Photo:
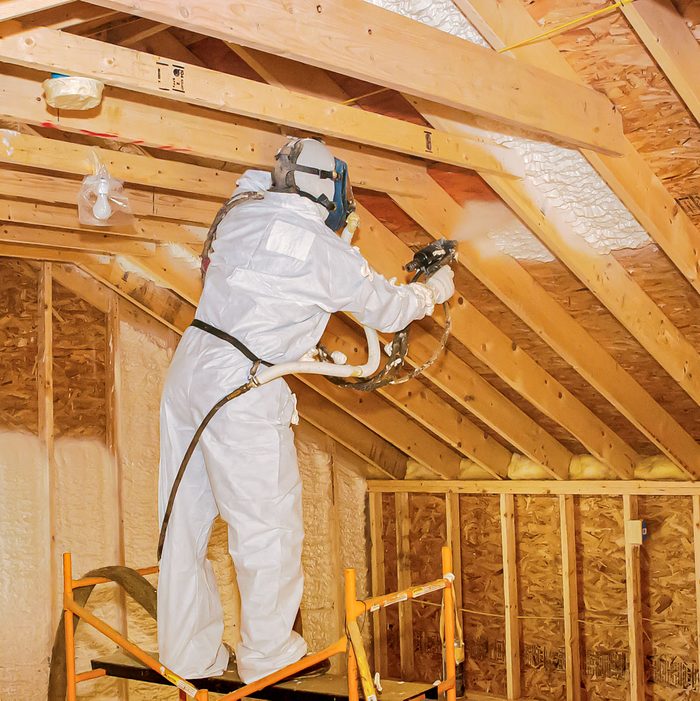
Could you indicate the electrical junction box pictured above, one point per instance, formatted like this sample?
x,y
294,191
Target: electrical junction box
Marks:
x,y
636,531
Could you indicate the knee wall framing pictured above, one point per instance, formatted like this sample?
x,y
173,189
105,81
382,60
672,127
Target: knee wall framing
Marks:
x,y
558,599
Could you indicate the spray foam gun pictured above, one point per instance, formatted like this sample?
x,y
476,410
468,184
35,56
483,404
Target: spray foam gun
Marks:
x,y
425,263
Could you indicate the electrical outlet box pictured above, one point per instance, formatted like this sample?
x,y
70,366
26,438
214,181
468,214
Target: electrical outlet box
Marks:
x,y
635,531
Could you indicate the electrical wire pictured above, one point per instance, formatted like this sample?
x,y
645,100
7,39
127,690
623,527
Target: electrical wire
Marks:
x,y
353,100
558,29
583,621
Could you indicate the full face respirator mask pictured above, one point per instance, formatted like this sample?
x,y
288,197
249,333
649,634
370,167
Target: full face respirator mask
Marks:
x,y
343,200
290,176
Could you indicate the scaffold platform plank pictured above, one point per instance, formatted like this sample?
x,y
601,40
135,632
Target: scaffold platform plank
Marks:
x,y
329,687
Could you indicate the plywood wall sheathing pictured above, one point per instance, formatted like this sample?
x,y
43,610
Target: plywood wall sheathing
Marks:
x,y
80,356
18,334
602,570
602,597
541,607
669,598
482,587
427,534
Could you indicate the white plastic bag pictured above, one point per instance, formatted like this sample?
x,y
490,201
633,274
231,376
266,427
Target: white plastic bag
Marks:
x,y
102,200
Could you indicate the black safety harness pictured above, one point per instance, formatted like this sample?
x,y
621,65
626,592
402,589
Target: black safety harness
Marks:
x,y
238,345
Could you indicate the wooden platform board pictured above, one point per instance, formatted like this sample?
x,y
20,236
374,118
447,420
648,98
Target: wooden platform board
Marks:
x,y
328,687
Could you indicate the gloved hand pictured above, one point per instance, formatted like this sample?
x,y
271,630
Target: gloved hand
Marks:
x,y
442,284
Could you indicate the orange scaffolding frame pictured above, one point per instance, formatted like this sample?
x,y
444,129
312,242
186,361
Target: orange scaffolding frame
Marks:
x,y
358,669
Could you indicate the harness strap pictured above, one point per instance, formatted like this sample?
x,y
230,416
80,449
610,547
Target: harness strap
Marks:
x,y
242,348
225,209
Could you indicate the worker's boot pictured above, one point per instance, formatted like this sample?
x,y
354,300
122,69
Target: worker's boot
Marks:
x,y
315,670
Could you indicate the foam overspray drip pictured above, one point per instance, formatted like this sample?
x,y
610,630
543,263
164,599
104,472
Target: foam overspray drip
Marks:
x,y
560,179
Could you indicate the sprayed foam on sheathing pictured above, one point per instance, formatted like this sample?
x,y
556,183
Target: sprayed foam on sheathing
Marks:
x,y
25,555
144,364
320,617
87,524
560,179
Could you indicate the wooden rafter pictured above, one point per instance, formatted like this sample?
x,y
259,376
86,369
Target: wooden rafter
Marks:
x,y
484,401
382,418
669,40
196,131
64,157
84,286
348,431
165,44
178,273
424,405
387,49
437,212
57,217
469,389
134,31
602,274
59,15
134,70
11,9
613,286
74,240
130,286
387,254
491,346
143,202
630,177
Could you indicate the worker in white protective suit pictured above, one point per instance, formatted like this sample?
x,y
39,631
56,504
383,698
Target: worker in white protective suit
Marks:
x,y
276,272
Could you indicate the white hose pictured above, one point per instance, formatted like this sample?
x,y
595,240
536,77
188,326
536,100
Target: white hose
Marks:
x,y
313,367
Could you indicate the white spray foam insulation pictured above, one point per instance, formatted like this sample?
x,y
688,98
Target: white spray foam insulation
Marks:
x,y
350,496
318,613
351,499
559,178
87,525
25,587
144,363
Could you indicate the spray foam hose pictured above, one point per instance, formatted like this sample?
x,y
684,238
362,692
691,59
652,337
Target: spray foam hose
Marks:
x,y
188,455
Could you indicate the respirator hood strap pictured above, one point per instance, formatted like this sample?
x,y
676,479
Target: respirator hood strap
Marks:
x,y
287,156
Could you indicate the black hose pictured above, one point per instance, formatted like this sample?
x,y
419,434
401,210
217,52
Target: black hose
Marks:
x,y
188,455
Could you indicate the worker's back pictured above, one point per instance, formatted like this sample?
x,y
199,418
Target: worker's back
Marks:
x,y
265,266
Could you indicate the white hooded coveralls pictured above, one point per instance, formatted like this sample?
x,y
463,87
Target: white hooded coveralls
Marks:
x,y
276,273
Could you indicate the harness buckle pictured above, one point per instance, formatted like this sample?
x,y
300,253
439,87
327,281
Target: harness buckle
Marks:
x,y
253,372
